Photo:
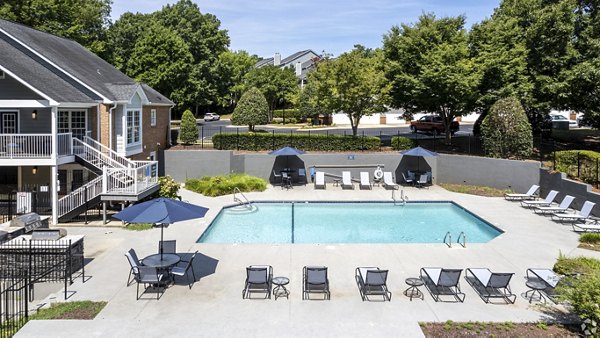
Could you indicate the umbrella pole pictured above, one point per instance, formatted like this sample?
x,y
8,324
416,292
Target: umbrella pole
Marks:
x,y
162,229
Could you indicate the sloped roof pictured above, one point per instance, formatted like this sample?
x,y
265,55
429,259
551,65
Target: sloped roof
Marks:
x,y
264,62
296,55
74,59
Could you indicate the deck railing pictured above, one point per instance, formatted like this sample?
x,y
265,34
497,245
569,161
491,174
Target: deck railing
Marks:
x,y
130,180
38,146
80,196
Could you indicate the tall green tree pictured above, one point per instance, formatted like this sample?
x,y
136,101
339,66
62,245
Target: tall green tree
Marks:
x,y
354,84
202,38
84,21
231,68
161,59
251,110
430,69
273,82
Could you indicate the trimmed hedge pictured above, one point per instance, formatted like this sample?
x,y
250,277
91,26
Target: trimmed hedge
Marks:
x,y
294,113
566,161
402,143
263,141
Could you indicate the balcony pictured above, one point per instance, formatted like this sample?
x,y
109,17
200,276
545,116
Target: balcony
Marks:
x,y
30,148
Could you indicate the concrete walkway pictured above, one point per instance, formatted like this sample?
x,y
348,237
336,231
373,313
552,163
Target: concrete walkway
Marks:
x,y
214,306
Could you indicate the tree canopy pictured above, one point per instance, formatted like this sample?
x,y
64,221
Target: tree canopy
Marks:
x,y
430,69
84,21
353,84
274,83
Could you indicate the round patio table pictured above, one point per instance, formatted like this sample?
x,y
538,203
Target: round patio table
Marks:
x,y
161,261
413,289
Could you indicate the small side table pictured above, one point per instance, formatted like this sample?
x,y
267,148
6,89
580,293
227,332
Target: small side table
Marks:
x,y
336,182
413,287
280,289
535,287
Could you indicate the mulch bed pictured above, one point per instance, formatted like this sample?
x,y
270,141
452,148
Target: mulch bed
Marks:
x,y
589,246
508,329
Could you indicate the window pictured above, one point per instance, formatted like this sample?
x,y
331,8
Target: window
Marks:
x,y
133,126
152,117
72,121
1,74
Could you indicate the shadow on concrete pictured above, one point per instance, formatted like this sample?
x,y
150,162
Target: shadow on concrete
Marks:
x,y
202,266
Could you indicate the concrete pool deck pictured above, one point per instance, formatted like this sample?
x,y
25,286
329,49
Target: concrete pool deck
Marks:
x,y
214,306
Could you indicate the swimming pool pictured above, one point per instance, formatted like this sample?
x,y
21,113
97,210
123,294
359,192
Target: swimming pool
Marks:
x,y
346,222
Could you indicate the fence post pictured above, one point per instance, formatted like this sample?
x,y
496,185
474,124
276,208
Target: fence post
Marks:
x,y
201,137
434,138
221,136
85,196
597,177
362,141
291,138
273,139
380,135
578,164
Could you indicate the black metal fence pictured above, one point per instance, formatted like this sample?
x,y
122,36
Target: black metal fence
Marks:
x,y
25,263
583,168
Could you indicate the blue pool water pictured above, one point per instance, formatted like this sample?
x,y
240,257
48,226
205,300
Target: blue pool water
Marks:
x,y
325,222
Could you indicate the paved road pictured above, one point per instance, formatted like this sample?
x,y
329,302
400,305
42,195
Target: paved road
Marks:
x,y
207,129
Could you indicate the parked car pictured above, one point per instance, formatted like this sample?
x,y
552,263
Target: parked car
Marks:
x,y
559,122
211,117
432,123
582,121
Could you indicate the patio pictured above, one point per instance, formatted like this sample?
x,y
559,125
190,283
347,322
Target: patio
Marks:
x,y
214,305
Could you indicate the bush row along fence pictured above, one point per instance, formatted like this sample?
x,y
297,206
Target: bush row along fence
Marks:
x,y
581,164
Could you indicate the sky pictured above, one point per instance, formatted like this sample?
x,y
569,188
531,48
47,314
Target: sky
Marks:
x,y
332,26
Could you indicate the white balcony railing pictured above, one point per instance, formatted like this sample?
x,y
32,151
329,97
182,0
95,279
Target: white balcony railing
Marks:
x,y
130,180
33,146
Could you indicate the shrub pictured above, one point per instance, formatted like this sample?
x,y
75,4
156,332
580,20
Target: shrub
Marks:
x,y
188,134
402,143
592,238
582,291
269,141
168,187
567,160
288,113
251,110
223,185
506,131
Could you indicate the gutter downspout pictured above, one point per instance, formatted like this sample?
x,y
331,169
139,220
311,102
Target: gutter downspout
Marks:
x,y
98,121
169,129
110,128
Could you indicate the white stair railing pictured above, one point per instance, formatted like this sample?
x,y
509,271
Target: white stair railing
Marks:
x,y
113,155
94,156
80,196
138,179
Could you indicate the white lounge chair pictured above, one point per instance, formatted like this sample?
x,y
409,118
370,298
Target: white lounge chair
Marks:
x,y
563,206
545,203
365,182
582,215
388,180
587,227
529,195
319,180
347,180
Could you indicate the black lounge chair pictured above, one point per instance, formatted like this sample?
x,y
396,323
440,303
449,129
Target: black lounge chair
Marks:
x,y
372,281
490,284
259,279
315,281
443,282
151,278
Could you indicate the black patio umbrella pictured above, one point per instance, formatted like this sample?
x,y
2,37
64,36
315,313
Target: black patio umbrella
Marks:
x,y
161,211
287,152
418,152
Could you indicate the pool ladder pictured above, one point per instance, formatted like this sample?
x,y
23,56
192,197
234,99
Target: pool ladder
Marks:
x,y
448,239
241,200
403,198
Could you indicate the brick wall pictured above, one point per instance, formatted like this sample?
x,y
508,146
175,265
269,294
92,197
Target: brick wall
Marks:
x,y
104,126
153,135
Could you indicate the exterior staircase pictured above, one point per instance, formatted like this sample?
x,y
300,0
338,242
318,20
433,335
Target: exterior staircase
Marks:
x,y
119,178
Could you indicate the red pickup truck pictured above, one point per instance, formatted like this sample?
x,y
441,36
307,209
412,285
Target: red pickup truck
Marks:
x,y
432,123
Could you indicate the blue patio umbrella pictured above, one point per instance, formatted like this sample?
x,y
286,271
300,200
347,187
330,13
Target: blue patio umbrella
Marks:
x,y
418,152
161,211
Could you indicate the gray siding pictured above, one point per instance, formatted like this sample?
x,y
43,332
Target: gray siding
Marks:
x,y
118,116
11,89
42,125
